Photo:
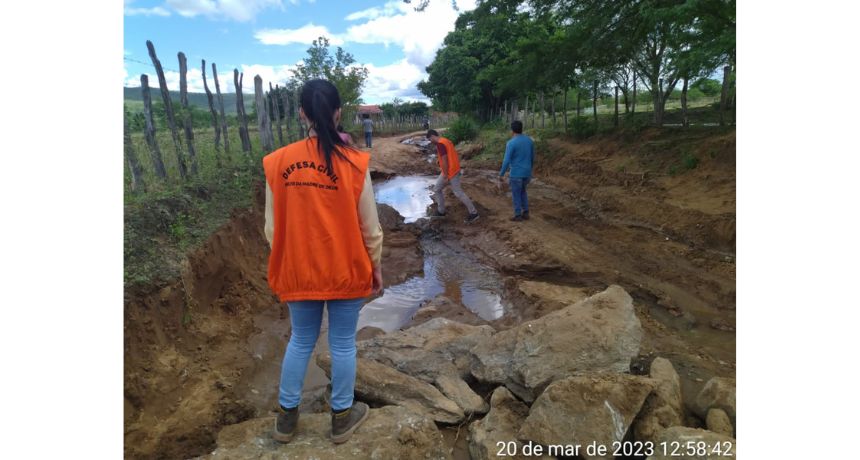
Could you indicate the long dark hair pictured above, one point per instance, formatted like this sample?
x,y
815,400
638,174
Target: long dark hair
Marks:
x,y
320,100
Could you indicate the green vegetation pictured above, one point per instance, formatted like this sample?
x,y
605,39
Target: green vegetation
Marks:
x,y
462,129
516,50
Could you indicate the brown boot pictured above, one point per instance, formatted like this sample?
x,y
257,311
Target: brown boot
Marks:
x,y
285,425
345,423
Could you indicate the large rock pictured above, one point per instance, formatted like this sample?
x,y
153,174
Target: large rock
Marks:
x,y
582,410
600,333
378,383
694,444
719,422
664,407
457,390
438,347
499,426
718,393
390,432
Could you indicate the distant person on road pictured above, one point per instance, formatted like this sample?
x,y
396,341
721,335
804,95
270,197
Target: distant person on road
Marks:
x,y
449,164
368,131
519,157
322,225
344,135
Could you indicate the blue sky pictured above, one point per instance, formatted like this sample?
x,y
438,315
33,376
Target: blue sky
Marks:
x,y
268,38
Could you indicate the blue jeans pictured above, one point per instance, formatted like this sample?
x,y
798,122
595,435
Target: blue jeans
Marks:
x,y
368,137
518,193
305,318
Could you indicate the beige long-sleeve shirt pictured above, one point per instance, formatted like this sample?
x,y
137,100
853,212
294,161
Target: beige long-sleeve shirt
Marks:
x,y
371,230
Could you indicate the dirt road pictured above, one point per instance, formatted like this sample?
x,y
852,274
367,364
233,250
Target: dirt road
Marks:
x,y
203,351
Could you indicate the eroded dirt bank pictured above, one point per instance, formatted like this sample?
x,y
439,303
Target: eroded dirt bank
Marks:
x,y
203,352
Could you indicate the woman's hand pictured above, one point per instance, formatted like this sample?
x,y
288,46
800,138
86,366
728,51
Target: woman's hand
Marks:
x,y
377,280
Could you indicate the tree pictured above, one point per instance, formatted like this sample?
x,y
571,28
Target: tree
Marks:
x,y
338,69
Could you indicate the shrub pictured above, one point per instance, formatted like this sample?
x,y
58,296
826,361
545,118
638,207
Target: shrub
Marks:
x,y
582,128
462,129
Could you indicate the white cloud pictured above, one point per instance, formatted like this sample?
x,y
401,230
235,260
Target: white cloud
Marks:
x,y
419,34
400,79
237,10
303,35
154,11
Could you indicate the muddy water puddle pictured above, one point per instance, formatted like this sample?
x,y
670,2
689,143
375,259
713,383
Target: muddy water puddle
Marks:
x,y
449,270
409,195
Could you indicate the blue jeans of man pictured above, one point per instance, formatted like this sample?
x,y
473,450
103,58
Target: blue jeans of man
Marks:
x,y
368,140
519,195
306,318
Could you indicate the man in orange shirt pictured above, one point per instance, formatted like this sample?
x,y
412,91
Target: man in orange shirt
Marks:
x,y
449,164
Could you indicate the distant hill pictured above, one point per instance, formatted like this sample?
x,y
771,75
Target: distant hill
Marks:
x,y
196,99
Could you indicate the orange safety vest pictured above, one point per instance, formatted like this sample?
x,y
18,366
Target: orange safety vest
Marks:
x,y
318,251
453,158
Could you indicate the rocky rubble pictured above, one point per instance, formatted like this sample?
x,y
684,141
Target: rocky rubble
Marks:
x,y
598,334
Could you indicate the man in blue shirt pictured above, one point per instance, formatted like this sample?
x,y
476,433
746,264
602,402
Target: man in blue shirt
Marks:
x,y
519,157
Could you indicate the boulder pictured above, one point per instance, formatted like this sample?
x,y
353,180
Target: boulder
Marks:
x,y
718,393
693,443
389,218
438,347
499,426
457,390
585,409
378,383
600,333
719,422
389,432
664,407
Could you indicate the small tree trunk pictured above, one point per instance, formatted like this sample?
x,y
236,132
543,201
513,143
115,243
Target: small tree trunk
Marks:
x,y
594,103
168,110
616,106
515,112
685,122
240,111
221,109
526,114
578,103
564,110
186,112
137,184
724,94
552,108
633,109
263,122
215,125
658,106
149,130
276,103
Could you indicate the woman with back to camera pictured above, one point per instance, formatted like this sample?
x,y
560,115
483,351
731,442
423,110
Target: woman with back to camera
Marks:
x,y
326,241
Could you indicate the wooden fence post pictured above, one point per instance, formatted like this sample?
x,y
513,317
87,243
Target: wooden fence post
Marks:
x,y
286,100
149,129
212,111
526,114
137,184
266,140
221,110
186,112
240,111
616,106
302,133
168,109
542,113
276,103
